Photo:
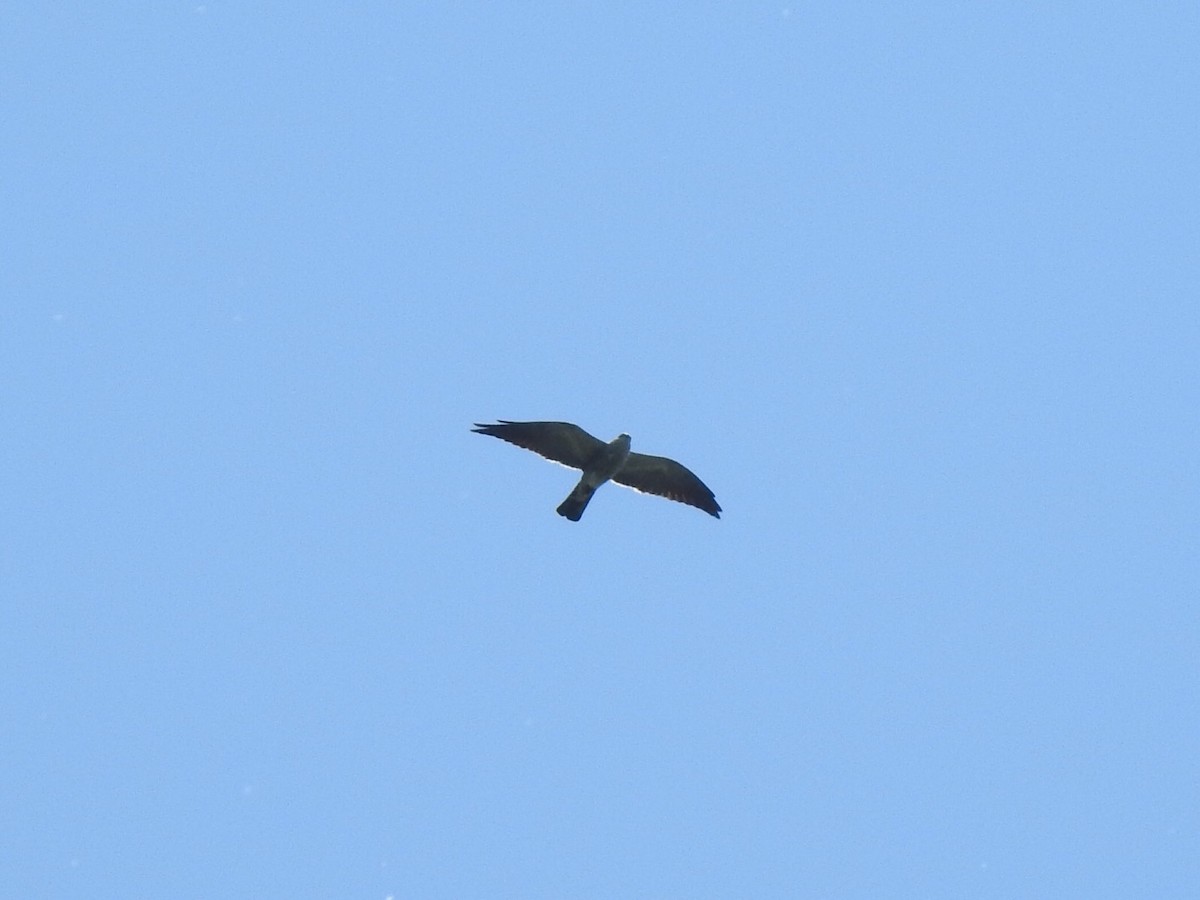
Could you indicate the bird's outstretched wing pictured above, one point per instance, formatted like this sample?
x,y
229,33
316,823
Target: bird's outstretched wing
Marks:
x,y
667,478
560,442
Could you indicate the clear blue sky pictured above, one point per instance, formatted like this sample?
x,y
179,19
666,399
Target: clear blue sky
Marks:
x,y
912,287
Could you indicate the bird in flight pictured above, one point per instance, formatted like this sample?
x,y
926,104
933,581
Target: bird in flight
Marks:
x,y
571,446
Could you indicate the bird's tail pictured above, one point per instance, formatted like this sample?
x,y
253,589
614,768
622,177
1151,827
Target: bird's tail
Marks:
x,y
576,502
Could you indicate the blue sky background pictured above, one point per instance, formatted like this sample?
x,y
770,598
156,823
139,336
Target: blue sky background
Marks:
x,y
912,287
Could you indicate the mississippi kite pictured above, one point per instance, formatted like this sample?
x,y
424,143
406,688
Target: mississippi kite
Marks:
x,y
570,445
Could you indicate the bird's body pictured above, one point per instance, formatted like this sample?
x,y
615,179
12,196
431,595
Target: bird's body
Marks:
x,y
606,463
570,445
